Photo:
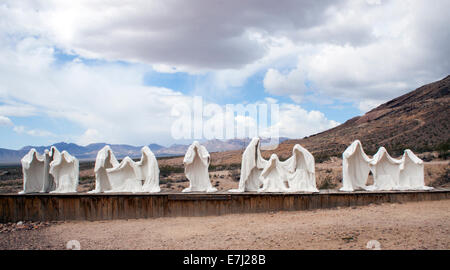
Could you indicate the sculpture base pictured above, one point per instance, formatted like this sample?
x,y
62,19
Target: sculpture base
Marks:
x,y
84,206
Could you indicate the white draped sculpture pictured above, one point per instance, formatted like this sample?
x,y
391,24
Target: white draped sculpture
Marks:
x,y
196,163
105,160
273,176
298,172
148,171
355,167
411,172
388,173
252,165
36,171
385,170
126,176
300,169
65,170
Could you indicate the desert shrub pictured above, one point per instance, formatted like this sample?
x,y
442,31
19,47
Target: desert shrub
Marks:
x,y
443,179
235,175
327,183
218,167
319,158
166,170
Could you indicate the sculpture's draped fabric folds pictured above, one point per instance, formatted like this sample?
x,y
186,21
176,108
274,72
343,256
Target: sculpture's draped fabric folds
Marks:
x,y
252,165
196,163
412,172
105,160
273,176
385,170
34,171
355,167
148,171
300,170
123,178
65,168
126,176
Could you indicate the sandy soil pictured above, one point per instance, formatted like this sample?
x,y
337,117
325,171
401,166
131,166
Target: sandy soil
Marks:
x,y
415,225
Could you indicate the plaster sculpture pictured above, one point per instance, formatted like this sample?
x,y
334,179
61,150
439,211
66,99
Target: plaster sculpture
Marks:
x,y
252,165
355,167
64,168
273,176
123,178
148,171
105,160
300,169
386,171
35,171
196,163
411,172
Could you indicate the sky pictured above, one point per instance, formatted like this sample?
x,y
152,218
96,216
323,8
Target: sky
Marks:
x,y
112,71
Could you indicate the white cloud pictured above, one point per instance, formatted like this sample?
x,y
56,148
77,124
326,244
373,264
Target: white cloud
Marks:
x,y
33,132
5,121
91,135
282,84
296,122
365,52
368,104
408,48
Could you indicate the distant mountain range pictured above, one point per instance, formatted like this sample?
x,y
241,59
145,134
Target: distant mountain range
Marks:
x,y
89,152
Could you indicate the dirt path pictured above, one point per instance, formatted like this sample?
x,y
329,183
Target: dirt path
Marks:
x,y
418,225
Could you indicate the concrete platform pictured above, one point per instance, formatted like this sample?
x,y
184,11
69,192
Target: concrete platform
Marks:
x,y
83,206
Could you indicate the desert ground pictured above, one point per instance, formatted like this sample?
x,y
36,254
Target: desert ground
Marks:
x,y
413,225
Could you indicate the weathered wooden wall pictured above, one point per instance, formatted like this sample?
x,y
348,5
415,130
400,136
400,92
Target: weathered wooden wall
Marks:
x,y
45,207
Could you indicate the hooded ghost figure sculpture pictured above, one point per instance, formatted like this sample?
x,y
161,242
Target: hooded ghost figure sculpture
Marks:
x,y
196,163
355,167
105,160
252,165
35,169
64,168
386,171
148,171
300,170
411,172
124,178
273,176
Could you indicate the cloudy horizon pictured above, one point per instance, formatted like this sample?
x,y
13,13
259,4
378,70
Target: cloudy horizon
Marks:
x,y
110,71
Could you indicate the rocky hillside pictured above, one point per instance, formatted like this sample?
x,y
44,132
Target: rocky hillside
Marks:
x,y
418,120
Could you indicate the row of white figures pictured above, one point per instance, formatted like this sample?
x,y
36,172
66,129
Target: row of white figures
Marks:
x,y
388,173
58,172
295,174
52,171
128,175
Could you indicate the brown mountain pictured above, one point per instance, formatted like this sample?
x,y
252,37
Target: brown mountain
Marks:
x,y
418,120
